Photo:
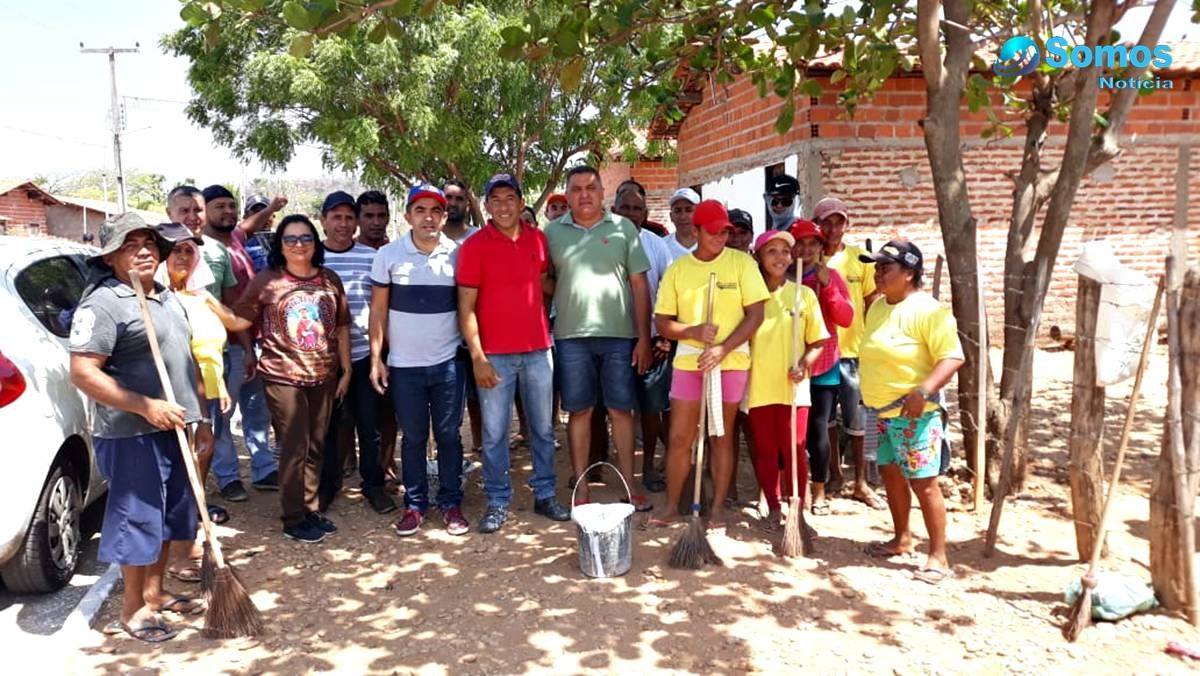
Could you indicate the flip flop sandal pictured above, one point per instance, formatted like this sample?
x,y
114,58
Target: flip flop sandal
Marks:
x,y
218,514
654,522
870,500
882,550
114,628
183,605
820,509
933,576
640,503
189,574
150,633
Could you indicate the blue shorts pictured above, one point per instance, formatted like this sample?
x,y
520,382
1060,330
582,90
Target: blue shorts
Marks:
x,y
588,366
149,499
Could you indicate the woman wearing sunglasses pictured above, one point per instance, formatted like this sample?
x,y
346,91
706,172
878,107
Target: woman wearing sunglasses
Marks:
x,y
300,309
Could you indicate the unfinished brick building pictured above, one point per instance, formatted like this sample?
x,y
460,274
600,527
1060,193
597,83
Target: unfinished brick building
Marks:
x,y
727,146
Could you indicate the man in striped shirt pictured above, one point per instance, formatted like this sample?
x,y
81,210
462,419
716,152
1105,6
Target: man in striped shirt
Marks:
x,y
352,262
414,302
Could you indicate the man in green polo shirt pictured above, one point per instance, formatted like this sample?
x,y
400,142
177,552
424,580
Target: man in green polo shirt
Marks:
x,y
603,323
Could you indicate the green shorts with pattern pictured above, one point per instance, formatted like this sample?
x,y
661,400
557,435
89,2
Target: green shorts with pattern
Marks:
x,y
913,444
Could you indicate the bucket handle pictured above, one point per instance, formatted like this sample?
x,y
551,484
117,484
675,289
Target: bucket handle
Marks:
x,y
583,477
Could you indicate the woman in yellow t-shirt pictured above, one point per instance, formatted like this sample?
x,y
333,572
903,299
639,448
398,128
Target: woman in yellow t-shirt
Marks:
x,y
184,273
720,345
910,350
774,382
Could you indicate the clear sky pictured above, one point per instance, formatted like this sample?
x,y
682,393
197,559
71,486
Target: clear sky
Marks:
x,y
54,101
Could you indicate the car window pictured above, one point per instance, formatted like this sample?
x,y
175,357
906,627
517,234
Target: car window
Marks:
x,y
51,288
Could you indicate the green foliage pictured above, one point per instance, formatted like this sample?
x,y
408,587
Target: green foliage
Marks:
x,y
142,191
417,91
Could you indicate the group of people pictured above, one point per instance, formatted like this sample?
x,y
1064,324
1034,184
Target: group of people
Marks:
x,y
337,342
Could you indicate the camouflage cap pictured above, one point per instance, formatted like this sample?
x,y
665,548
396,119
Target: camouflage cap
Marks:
x,y
114,231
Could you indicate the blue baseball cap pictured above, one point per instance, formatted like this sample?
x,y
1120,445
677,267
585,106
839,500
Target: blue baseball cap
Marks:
x,y
501,181
422,190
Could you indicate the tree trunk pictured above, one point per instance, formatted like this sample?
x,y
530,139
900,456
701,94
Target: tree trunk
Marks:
x,y
1087,423
944,84
1168,561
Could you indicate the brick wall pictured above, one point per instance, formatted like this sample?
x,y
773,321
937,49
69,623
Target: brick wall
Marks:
x,y
877,162
18,210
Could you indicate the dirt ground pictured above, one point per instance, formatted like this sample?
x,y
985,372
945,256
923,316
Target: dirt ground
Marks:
x,y
366,601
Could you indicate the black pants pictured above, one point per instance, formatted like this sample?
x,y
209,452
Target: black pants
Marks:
x,y
824,397
364,408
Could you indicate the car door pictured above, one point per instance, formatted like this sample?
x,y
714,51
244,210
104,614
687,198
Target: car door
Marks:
x,y
50,287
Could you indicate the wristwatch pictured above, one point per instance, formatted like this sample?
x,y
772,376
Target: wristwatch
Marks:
x,y
926,394
204,421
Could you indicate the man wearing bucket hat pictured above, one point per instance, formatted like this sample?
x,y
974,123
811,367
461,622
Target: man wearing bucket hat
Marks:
x,y
149,500
502,273
832,216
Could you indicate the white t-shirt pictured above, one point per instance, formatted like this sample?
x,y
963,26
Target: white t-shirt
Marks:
x,y
660,259
675,249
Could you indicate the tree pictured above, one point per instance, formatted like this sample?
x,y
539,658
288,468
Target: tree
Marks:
x,y
143,191
401,94
773,41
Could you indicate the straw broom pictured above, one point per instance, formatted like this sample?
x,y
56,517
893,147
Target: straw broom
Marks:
x,y
797,539
692,550
1080,615
231,612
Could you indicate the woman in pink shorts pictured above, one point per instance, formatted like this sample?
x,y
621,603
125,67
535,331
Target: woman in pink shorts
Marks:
x,y
720,345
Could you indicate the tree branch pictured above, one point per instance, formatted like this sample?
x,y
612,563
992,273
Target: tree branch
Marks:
x,y
928,42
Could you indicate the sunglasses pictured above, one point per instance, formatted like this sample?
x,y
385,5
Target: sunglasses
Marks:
x,y
782,201
298,240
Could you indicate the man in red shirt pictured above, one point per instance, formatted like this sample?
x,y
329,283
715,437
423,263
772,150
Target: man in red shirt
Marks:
x,y
502,277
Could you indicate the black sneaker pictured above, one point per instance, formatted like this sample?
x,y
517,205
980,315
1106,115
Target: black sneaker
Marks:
x,y
305,531
552,509
379,500
493,519
268,483
234,491
322,522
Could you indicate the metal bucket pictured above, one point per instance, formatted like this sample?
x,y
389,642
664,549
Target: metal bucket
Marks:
x,y
604,532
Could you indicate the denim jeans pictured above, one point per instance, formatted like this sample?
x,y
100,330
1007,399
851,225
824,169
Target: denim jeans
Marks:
x,y
533,374
421,394
366,407
256,419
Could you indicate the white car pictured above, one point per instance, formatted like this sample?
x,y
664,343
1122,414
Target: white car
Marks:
x,y
48,473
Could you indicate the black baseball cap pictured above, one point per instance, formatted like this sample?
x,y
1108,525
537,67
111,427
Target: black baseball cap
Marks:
x,y
741,219
782,184
337,199
899,251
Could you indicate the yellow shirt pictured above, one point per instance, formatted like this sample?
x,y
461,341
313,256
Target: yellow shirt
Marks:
x,y
900,347
860,280
208,342
683,292
771,351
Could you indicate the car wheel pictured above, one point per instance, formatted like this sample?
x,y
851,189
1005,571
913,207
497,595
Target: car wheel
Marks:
x,y
50,553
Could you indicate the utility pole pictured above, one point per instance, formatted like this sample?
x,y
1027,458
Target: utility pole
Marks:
x,y
117,122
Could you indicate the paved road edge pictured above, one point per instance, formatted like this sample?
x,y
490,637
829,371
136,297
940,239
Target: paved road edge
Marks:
x,y
80,619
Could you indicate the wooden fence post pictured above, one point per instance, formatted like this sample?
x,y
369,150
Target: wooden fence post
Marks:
x,y
1087,422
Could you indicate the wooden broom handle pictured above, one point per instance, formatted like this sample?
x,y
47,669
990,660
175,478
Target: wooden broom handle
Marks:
x,y
703,431
185,448
792,419
1098,539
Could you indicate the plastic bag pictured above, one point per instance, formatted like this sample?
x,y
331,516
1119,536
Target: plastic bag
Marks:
x,y
1126,298
1115,596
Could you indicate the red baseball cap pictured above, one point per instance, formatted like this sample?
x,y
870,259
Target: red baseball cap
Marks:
x,y
803,228
711,216
556,197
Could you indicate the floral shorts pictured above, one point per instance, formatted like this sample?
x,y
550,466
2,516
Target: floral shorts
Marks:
x,y
914,445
